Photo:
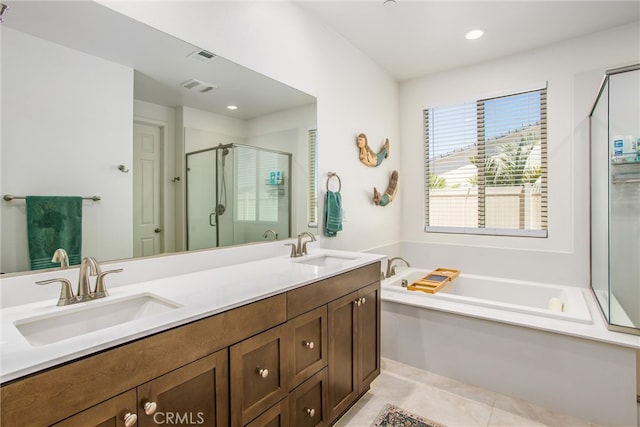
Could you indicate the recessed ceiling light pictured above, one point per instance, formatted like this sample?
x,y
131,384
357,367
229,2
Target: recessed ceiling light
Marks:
x,y
474,34
232,107
389,3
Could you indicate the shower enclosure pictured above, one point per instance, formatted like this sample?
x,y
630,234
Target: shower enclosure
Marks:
x,y
615,199
235,193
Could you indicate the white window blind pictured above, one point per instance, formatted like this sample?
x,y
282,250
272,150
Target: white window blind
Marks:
x,y
486,166
247,177
312,190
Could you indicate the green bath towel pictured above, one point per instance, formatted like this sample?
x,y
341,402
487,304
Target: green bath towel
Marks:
x,y
53,222
332,213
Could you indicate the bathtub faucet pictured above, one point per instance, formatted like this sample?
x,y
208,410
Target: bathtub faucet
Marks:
x,y
391,269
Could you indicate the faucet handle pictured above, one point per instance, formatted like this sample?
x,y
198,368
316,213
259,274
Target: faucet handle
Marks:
x,y
101,285
66,293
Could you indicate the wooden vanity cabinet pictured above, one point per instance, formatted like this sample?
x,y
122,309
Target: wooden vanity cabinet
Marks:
x,y
300,358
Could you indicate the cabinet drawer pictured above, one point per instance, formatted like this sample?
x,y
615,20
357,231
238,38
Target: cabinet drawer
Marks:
x,y
305,298
308,402
259,373
276,416
194,394
309,353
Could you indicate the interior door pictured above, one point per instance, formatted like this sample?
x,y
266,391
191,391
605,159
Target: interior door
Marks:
x,y
201,200
147,190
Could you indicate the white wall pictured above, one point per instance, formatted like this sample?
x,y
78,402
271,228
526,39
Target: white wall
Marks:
x,y
574,70
354,94
42,154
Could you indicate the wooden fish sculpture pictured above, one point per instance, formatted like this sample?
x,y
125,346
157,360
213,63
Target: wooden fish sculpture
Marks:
x,y
387,197
367,156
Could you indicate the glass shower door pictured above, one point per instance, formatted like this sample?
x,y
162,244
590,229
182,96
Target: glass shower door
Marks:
x,y
615,199
201,200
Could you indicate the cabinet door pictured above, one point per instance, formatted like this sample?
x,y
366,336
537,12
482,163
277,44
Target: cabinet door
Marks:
x,y
259,373
309,353
119,411
308,402
343,381
368,335
197,393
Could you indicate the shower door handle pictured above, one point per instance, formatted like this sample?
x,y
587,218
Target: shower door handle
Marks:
x,y
212,218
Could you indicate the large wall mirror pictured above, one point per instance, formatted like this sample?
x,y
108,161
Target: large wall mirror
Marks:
x,y
97,104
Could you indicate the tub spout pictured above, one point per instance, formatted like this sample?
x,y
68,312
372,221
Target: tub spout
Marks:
x,y
391,269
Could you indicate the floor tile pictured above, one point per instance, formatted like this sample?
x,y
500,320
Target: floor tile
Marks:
x,y
449,402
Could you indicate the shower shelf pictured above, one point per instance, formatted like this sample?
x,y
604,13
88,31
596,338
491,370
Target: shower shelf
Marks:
x,y
624,173
278,182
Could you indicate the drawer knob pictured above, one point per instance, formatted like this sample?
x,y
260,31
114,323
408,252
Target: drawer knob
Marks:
x,y
150,407
310,411
363,300
309,344
357,302
130,419
264,373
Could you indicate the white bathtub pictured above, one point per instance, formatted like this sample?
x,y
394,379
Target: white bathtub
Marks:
x,y
511,295
499,335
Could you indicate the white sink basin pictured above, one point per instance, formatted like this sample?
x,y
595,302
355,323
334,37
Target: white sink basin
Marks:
x,y
325,260
90,317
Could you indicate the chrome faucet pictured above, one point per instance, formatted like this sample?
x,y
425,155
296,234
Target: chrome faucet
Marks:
x,y
301,248
391,269
88,267
84,283
60,255
270,231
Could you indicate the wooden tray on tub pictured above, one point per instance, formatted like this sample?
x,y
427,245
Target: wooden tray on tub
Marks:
x,y
434,281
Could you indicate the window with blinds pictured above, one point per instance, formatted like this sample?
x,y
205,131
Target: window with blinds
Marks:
x,y
486,166
312,204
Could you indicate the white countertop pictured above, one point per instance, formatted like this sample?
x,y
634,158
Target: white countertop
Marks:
x,y
199,295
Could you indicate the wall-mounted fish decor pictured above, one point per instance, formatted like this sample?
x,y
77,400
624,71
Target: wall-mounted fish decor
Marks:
x,y
367,156
387,197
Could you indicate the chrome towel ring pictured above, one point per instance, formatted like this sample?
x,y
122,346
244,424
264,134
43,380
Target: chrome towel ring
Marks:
x,y
332,175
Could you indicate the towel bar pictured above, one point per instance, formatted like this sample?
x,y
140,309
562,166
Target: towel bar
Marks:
x,y
331,175
10,197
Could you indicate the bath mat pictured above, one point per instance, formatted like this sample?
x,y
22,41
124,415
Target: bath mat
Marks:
x,y
392,416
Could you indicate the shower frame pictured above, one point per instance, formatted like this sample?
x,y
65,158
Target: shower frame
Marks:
x,y
230,146
612,177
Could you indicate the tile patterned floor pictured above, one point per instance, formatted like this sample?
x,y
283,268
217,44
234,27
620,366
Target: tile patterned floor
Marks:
x,y
448,402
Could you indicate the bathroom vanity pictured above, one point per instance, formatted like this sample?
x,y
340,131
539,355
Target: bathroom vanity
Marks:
x,y
298,356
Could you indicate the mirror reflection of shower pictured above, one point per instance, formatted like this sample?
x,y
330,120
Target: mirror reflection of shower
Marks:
x,y
221,207
236,192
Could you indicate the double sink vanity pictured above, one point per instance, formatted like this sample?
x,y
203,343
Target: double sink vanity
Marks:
x,y
280,341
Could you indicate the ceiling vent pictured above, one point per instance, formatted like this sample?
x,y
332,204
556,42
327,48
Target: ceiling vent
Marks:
x,y
198,85
202,55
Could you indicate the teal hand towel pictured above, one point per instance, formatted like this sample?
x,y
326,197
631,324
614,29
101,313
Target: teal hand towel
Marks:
x,y
332,213
53,222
